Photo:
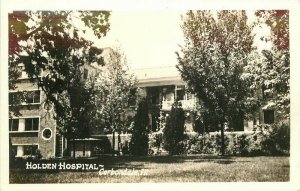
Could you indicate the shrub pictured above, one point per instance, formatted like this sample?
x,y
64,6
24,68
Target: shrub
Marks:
x,y
243,144
38,154
155,142
270,139
281,135
139,140
174,131
266,140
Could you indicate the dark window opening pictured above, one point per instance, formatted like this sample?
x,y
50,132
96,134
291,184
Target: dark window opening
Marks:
x,y
27,97
30,149
237,123
33,97
13,124
32,124
268,116
47,133
180,92
15,98
153,94
13,150
85,73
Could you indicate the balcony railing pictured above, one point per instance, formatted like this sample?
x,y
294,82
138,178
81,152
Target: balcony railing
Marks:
x,y
186,104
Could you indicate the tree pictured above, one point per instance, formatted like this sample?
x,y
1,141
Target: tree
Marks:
x,y
269,69
49,40
53,42
79,112
139,140
174,130
216,50
116,90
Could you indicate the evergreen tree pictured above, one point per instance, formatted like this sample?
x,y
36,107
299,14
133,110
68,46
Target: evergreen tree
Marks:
x,y
174,130
139,140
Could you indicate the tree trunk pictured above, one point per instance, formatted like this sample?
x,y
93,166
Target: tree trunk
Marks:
x,y
74,147
119,142
222,139
113,143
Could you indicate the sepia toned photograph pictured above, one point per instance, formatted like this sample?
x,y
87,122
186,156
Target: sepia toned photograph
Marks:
x,y
148,96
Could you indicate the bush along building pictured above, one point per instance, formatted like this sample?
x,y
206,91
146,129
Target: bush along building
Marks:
x,y
32,127
163,86
264,132
33,130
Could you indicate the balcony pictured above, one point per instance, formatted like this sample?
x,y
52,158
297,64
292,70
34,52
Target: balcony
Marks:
x,y
186,104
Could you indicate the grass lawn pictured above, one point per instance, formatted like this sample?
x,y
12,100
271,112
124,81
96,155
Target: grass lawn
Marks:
x,y
169,169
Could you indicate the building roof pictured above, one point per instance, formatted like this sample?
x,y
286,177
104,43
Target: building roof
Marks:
x,y
158,76
159,72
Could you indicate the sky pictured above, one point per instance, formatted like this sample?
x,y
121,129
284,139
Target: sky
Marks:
x,y
151,38
148,38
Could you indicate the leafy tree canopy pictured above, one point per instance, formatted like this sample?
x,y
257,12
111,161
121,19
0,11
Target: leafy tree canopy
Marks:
x,y
270,68
215,52
53,42
116,90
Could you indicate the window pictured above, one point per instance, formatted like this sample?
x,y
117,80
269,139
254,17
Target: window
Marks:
x,y
268,116
33,97
21,68
32,124
13,124
15,98
180,92
28,97
30,149
85,73
13,150
24,74
47,133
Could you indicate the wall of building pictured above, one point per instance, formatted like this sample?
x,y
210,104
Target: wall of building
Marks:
x,y
44,136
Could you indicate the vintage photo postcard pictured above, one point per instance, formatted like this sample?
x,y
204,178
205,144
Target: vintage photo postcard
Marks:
x,y
150,95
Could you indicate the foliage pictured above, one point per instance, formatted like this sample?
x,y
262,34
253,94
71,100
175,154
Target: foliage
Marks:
x,y
266,140
270,139
212,60
139,140
49,40
77,110
53,42
270,68
174,130
155,142
115,87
